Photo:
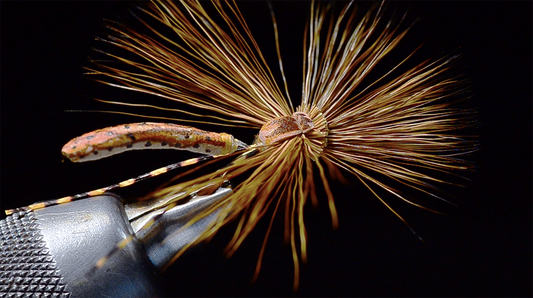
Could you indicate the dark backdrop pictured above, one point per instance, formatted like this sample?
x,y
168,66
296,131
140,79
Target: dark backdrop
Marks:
x,y
481,248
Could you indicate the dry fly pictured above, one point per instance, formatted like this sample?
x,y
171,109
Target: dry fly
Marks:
x,y
398,128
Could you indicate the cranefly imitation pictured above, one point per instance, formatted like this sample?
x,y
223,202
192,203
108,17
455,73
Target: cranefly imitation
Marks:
x,y
403,127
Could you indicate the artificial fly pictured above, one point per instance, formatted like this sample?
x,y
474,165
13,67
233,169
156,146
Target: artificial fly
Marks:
x,y
399,127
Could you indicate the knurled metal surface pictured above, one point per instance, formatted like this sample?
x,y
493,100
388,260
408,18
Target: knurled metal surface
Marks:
x,y
26,267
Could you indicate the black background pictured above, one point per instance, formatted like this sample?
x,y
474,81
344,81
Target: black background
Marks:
x,y
481,248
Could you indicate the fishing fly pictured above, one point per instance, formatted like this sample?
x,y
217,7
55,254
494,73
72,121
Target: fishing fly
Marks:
x,y
398,128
